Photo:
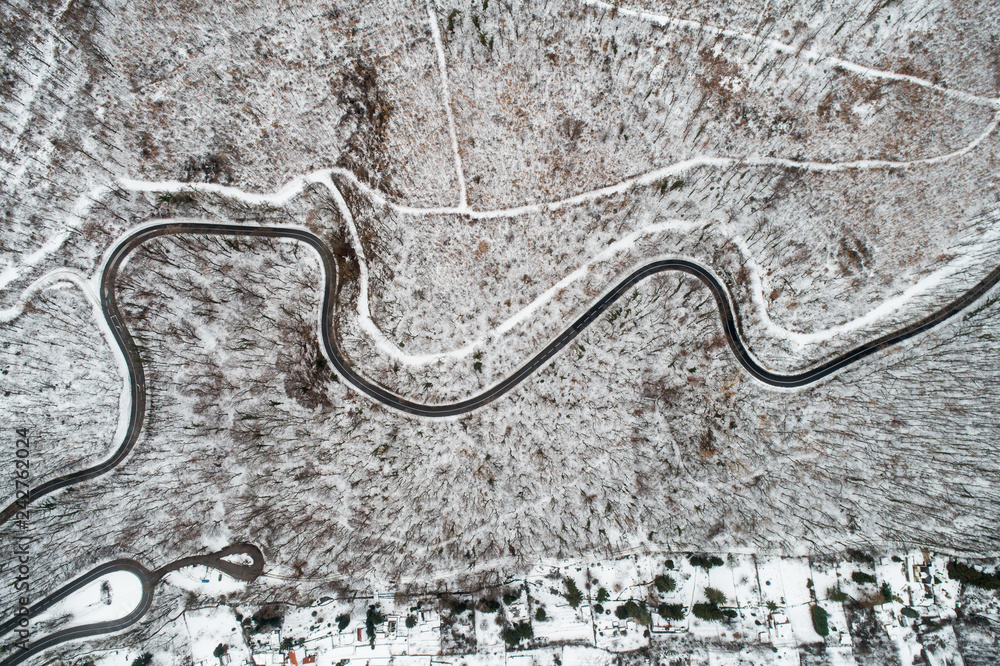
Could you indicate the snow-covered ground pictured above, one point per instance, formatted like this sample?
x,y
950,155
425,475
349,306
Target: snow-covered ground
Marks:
x,y
204,581
110,597
209,628
771,626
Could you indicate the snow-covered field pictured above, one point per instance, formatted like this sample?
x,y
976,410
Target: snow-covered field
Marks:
x,y
771,624
110,597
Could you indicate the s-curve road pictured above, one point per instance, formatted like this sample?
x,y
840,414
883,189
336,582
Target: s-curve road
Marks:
x,y
727,313
147,578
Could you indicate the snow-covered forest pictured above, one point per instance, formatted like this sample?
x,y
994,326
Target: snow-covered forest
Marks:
x,y
483,172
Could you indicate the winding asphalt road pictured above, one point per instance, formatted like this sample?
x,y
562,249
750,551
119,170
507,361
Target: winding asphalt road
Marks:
x,y
149,580
727,313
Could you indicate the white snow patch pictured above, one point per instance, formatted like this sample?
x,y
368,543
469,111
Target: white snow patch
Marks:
x,y
209,628
241,559
122,592
204,581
